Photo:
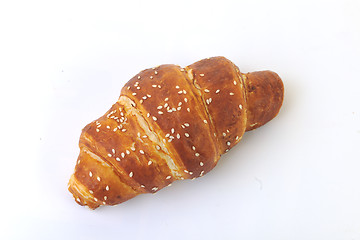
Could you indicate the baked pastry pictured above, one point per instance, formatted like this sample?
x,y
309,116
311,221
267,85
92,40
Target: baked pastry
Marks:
x,y
170,123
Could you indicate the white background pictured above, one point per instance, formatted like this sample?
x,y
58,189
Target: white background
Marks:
x,y
63,63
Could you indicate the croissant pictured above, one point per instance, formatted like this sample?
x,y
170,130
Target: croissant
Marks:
x,y
170,123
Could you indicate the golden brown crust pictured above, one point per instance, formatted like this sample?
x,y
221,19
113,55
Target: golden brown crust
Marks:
x,y
170,123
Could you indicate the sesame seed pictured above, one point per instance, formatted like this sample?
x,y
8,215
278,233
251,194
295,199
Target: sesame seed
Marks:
x,y
186,124
201,75
224,134
180,92
133,149
159,107
168,177
97,130
237,137
95,199
117,159
201,164
144,97
186,135
188,109
217,91
113,150
142,186
141,151
197,154
207,90
202,173
186,171
160,112
105,198
151,77
231,94
148,114
193,148
109,154
107,188
166,104
180,103
184,91
159,86
228,143
179,108
123,130
157,147
170,140
138,88
128,87
131,174
177,87
154,85
134,94
182,70
185,100
138,77
148,95
108,127
205,121
138,134
154,118
149,162
178,136
167,135
235,82
122,155
90,174
156,72
240,106
98,178
166,99
172,130
115,129
226,150
154,188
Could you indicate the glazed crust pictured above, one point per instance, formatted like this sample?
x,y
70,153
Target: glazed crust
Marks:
x,y
170,123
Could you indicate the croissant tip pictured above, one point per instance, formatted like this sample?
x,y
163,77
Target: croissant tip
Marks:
x,y
80,196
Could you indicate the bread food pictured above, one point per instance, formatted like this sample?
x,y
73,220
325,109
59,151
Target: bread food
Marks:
x,y
170,123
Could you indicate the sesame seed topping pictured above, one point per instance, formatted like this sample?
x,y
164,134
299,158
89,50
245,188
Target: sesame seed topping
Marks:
x,y
149,162
188,109
197,154
180,103
184,91
172,130
95,199
235,82
98,178
185,100
144,97
187,135
240,106
154,85
148,114
160,112
217,91
180,92
168,177
154,118
105,198
148,95
154,188
117,159
132,148
205,121
142,186
186,124
122,155
107,188
156,72
90,191
237,137
138,88
179,108
166,99
157,147
178,136
151,77
228,143
97,130
159,107
201,74
177,87
193,148
182,70
131,174
123,130
138,77
167,135
109,154
202,173
108,127
141,151
90,174
113,150
201,164
224,134
231,94
186,171
207,90
166,104
134,94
